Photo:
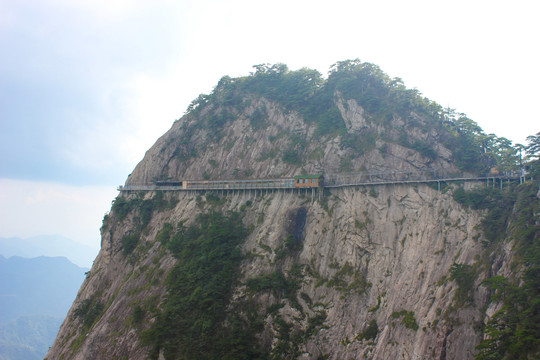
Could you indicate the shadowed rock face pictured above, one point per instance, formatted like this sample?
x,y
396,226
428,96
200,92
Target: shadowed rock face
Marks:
x,y
299,224
362,256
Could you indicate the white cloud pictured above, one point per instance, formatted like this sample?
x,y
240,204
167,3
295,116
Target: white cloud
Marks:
x,y
36,208
95,83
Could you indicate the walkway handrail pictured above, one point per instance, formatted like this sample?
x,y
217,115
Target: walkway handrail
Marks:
x,y
336,181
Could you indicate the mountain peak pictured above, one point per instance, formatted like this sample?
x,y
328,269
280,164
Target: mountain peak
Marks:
x,y
375,270
276,122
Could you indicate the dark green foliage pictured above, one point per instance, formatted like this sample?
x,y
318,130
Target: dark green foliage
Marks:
x,y
365,83
164,235
380,95
280,285
138,314
292,244
376,307
215,124
213,121
407,319
292,89
475,151
370,333
245,206
192,324
214,199
291,156
477,198
302,90
287,346
121,207
185,148
342,281
533,147
464,144
526,226
129,243
143,211
325,114
514,331
315,323
259,119
498,203
290,338
464,276
424,149
285,287
89,311
360,143
383,98
238,341
338,279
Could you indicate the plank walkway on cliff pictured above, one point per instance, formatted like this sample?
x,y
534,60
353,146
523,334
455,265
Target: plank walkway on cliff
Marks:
x,y
345,180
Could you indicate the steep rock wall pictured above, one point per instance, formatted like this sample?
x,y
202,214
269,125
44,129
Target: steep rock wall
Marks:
x,y
371,266
244,151
400,241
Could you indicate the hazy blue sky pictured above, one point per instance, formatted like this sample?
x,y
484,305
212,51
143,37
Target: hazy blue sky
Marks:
x,y
87,87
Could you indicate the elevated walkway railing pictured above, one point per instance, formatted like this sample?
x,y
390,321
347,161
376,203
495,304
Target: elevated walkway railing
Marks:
x,y
341,181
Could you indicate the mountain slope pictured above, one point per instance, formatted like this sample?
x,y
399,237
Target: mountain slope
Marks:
x,y
389,271
276,122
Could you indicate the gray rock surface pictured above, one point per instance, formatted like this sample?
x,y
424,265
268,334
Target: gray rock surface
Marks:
x,y
398,241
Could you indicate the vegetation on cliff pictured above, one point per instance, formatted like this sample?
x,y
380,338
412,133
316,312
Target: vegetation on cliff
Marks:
x,y
208,253
192,323
383,98
234,279
513,332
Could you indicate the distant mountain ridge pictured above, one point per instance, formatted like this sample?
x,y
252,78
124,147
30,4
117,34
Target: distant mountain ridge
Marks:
x,y
49,245
42,285
28,337
35,295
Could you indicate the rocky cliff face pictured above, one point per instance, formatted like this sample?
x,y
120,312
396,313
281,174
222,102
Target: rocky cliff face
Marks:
x,y
242,150
352,273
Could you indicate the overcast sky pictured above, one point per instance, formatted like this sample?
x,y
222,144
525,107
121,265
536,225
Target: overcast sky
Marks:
x,y
86,87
